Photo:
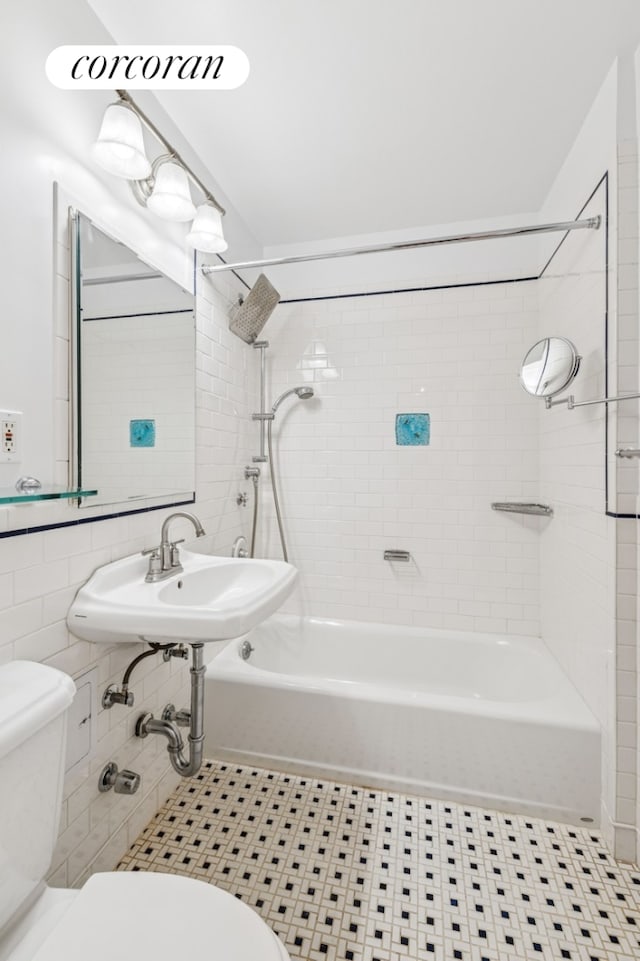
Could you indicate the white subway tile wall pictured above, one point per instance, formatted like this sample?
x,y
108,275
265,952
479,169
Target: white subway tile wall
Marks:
x,y
349,491
577,549
629,706
40,573
626,433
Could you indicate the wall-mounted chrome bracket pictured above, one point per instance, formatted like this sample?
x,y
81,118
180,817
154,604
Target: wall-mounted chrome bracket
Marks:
x,y
27,485
393,555
571,402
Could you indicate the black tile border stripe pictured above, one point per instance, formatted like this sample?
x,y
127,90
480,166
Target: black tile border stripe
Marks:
x,y
409,290
150,313
91,520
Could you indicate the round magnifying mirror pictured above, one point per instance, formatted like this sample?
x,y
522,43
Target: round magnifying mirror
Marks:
x,y
549,367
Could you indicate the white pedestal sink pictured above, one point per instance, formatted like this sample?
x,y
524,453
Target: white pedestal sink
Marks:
x,y
211,599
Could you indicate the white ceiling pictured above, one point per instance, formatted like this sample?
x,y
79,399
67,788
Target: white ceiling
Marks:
x,y
362,116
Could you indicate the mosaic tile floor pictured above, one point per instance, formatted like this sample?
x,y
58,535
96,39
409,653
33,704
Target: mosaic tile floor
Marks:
x,y
344,873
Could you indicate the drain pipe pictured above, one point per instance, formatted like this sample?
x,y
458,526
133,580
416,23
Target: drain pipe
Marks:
x,y
148,724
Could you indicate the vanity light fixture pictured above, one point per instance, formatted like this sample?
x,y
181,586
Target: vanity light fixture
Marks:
x,y
170,197
163,186
206,230
120,145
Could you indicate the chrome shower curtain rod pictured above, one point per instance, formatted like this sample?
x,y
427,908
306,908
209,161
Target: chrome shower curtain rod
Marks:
x,y
592,223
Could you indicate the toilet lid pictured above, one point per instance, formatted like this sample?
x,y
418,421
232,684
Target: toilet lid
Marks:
x,y
140,915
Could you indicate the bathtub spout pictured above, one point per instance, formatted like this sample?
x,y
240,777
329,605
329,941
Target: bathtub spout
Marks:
x,y
148,724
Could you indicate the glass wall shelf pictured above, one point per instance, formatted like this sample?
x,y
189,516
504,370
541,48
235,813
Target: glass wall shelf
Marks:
x,y
52,492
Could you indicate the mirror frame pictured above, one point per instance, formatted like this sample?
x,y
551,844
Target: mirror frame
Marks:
x,y
116,508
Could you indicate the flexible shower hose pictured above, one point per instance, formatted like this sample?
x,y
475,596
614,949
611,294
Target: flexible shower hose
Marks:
x,y
274,488
252,552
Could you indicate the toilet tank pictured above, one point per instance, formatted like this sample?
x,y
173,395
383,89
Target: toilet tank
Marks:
x,y
33,702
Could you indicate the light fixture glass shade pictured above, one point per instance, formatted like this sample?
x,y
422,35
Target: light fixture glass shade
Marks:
x,y
170,197
120,145
206,230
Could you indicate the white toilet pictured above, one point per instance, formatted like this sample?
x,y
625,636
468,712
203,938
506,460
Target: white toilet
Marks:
x,y
130,915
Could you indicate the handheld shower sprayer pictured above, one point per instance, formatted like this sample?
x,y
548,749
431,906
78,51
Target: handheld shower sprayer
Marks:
x,y
303,393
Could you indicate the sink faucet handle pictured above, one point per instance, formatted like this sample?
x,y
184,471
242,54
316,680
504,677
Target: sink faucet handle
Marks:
x,y
150,550
155,562
175,553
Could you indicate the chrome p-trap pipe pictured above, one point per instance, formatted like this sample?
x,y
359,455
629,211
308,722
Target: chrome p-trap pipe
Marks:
x,y
148,724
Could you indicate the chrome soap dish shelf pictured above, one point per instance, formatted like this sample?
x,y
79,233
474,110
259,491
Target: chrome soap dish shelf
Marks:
x,y
522,507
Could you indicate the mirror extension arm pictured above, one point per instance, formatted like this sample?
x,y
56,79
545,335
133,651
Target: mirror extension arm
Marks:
x,y
571,403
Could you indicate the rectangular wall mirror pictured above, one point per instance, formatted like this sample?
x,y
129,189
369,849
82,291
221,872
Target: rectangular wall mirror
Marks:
x,y
133,372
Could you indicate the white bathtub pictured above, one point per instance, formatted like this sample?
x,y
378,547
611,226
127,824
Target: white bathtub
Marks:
x,y
476,718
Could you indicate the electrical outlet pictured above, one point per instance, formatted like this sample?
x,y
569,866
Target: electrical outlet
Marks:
x,y
10,436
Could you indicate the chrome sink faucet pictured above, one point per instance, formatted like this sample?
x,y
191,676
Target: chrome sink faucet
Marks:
x,y
165,559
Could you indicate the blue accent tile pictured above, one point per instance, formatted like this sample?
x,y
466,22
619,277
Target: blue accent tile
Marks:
x,y
142,433
412,429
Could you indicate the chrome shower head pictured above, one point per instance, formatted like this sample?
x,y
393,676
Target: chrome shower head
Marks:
x,y
249,318
304,393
